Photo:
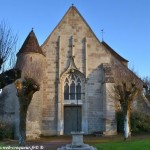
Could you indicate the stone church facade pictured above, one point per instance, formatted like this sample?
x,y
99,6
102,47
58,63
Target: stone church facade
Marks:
x,y
74,70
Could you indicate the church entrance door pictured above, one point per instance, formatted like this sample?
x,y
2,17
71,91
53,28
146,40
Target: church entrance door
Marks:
x,y
71,123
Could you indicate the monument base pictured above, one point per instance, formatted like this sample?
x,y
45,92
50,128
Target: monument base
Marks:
x,y
77,143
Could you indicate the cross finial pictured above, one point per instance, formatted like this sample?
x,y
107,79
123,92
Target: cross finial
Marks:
x,y
32,29
72,4
102,32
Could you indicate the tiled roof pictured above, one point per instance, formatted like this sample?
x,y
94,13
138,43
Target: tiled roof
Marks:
x,y
31,45
115,54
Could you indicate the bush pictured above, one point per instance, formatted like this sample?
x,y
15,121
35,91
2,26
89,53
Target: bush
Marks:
x,y
2,127
140,122
6,131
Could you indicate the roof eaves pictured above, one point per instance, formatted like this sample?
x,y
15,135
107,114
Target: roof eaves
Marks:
x,y
115,54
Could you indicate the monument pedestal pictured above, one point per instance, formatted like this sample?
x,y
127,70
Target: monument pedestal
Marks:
x,y
77,139
77,143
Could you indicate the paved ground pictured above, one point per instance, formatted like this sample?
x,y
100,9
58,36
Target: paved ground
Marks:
x,y
52,143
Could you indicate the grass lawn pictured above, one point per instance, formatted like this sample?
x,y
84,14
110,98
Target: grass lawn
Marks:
x,y
128,145
136,142
1,145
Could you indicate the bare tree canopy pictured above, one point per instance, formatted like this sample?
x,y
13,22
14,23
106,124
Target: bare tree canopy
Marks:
x,y
7,43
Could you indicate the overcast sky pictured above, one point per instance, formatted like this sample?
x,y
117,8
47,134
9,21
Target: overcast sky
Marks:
x,y
126,23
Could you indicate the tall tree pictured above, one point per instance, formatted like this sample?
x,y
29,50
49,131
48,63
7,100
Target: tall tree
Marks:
x,y
25,90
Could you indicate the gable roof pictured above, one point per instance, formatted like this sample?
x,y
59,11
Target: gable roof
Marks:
x,y
115,54
31,45
72,8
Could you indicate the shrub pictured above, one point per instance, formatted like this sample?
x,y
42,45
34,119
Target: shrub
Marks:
x,y
6,131
139,122
1,131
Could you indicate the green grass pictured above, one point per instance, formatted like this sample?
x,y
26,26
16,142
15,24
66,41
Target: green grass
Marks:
x,y
1,145
127,145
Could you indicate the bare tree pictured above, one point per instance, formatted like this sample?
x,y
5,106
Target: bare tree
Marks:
x,y
146,80
8,43
126,89
25,90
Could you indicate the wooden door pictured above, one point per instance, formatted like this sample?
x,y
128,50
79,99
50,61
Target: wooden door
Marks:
x,y
72,119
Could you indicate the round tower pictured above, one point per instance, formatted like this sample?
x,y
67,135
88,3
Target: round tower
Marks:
x,y
31,61
30,58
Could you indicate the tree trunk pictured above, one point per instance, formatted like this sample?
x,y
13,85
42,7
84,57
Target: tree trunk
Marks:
x,y
127,125
22,125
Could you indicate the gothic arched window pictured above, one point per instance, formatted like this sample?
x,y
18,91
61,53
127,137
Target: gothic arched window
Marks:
x,y
72,88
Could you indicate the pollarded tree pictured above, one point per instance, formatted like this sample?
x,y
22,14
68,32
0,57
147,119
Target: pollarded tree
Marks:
x,y
31,78
126,93
25,89
127,88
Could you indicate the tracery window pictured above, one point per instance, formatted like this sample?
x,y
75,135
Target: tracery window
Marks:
x,y
72,88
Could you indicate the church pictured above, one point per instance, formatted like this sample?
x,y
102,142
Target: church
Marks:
x,y
75,71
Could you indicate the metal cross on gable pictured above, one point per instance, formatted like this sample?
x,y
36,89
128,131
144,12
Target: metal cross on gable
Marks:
x,y
102,32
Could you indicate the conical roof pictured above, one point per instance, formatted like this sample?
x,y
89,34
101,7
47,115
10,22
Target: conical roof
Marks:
x,y
31,45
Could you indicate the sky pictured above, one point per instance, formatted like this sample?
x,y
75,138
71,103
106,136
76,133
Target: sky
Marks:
x,y
126,24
